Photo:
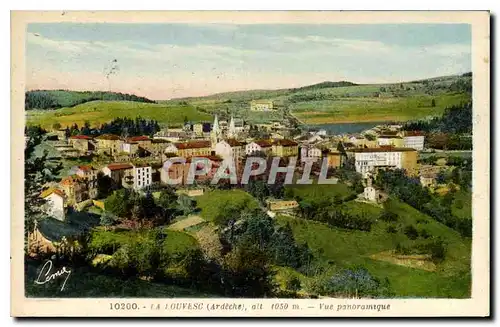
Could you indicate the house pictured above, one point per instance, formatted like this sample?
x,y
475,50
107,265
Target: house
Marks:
x,y
142,176
369,160
82,143
89,174
198,129
414,140
428,180
259,146
334,158
390,140
55,205
193,148
75,188
310,151
285,148
109,144
170,148
130,147
230,148
158,146
120,173
279,205
180,170
261,105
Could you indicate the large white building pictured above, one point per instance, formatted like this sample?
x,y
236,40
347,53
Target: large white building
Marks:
x,y
143,176
368,160
230,149
414,140
261,105
263,146
310,151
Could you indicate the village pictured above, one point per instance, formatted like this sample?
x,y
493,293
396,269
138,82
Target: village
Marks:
x,y
137,162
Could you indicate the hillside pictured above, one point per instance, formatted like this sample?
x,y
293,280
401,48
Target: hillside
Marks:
x,y
322,103
345,102
98,112
53,99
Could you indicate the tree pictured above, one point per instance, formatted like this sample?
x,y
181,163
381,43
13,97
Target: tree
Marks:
x,y
104,185
117,203
38,171
56,126
107,219
185,204
433,103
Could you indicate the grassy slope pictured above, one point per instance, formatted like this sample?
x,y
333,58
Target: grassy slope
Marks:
x,y
357,103
339,248
462,205
98,112
317,192
212,202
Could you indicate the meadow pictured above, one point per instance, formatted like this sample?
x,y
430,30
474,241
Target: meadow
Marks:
x,y
98,112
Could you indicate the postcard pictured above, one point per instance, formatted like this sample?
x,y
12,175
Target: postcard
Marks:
x,y
250,164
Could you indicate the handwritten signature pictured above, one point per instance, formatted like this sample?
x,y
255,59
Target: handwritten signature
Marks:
x,y
46,276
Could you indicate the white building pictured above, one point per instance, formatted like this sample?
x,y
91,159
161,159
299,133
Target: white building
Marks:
x,y
414,140
367,160
230,148
171,148
370,194
264,146
310,151
143,176
55,205
261,105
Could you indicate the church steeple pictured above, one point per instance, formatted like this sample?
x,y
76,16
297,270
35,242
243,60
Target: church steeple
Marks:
x,y
232,129
215,133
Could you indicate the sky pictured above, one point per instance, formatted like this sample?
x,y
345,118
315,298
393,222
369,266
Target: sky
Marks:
x,y
163,61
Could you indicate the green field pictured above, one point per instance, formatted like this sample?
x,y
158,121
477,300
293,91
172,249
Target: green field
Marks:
x,y
98,112
337,249
314,104
217,203
462,205
317,192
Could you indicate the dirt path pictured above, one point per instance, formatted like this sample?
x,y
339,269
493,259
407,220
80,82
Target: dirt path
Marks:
x,y
185,223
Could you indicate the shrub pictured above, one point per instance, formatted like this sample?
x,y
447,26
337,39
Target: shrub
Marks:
x,y
411,232
389,216
391,229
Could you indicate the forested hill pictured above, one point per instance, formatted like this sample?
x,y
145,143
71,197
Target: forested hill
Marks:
x,y
53,99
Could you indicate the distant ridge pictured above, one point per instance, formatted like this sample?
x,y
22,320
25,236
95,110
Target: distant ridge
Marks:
x,y
323,85
54,99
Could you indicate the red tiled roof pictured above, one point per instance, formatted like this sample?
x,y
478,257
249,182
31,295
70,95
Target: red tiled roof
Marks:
x,y
389,137
119,166
193,145
81,137
70,180
108,137
138,138
211,158
234,142
264,143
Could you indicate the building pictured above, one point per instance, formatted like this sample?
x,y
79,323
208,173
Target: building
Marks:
x,y
142,176
369,160
158,146
428,180
259,146
82,143
194,149
89,174
261,105
75,188
285,148
181,170
310,151
120,173
130,148
109,144
279,205
414,140
334,159
55,205
390,140
230,148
